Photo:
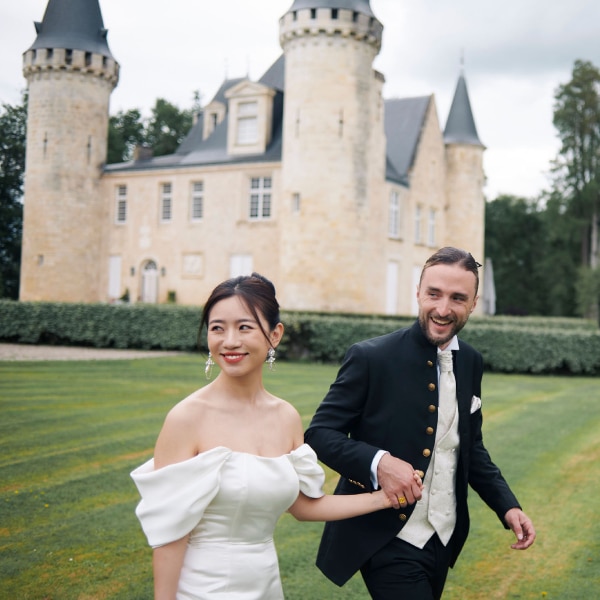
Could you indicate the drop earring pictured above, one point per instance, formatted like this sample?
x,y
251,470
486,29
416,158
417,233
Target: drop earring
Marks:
x,y
271,358
209,365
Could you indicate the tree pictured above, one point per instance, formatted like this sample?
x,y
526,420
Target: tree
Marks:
x,y
515,240
577,119
167,127
557,262
13,127
163,132
125,132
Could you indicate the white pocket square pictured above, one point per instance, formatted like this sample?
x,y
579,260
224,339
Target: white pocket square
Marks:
x,y
475,403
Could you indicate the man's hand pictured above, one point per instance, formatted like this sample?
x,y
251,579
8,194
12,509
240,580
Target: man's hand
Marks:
x,y
401,483
522,527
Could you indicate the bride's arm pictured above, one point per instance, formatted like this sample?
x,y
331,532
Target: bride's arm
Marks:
x,y
330,507
175,443
167,561
334,508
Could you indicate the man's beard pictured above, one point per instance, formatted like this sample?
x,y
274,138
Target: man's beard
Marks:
x,y
439,341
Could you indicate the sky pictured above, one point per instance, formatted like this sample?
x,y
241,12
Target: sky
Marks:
x,y
514,53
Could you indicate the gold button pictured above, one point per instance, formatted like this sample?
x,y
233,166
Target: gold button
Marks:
x,y
429,431
431,387
421,474
402,517
429,363
431,408
427,453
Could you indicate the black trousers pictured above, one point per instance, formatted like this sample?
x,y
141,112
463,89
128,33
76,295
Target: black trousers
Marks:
x,y
401,571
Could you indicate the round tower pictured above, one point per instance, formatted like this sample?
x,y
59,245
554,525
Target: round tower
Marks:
x,y
70,73
465,218
333,160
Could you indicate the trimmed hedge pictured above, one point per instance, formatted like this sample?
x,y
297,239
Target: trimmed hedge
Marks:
x,y
508,344
144,326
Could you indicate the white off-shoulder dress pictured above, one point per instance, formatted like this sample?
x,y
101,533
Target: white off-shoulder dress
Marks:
x,y
229,502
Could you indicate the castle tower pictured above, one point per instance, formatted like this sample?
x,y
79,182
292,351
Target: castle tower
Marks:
x,y
465,217
333,160
70,73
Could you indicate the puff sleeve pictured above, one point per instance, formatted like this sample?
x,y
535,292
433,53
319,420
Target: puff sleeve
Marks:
x,y
175,497
310,474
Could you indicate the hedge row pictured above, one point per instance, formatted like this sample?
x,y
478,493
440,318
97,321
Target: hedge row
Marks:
x,y
508,344
144,326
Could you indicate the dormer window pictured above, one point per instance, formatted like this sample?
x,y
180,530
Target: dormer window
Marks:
x,y
214,113
250,107
247,123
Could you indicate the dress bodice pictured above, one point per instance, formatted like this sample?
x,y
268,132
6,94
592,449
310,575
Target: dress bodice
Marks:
x,y
222,495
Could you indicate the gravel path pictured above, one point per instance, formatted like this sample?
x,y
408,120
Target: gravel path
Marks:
x,y
30,352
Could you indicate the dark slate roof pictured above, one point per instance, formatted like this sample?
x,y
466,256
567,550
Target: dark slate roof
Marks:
x,y
403,122
194,136
274,77
72,24
226,85
361,6
460,127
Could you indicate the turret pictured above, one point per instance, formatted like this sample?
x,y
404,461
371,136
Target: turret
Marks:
x,y
465,219
333,125
70,73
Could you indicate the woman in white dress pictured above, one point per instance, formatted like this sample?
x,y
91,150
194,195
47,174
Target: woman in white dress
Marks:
x,y
229,460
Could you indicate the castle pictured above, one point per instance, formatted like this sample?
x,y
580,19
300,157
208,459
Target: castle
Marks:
x,y
308,175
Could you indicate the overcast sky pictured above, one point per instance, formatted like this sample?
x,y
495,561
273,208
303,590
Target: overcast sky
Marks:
x,y
516,53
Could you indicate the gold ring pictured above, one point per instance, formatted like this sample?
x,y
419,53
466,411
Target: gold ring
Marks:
x,y
401,499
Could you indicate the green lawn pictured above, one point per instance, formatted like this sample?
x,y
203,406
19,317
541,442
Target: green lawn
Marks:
x,y
70,433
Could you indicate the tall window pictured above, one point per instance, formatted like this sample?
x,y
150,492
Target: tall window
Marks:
x,y
260,198
121,212
240,264
295,202
394,216
114,276
431,228
418,219
166,202
247,123
197,208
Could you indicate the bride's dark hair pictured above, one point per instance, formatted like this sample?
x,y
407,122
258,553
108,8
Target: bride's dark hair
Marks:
x,y
255,291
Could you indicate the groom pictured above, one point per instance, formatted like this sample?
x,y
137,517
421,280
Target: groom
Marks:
x,y
386,423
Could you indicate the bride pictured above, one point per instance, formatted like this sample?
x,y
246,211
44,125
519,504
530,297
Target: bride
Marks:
x,y
229,460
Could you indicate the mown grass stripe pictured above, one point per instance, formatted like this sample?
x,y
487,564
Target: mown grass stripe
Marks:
x,y
72,431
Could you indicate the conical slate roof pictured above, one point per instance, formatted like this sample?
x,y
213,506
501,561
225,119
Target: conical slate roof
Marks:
x,y
72,24
360,6
460,127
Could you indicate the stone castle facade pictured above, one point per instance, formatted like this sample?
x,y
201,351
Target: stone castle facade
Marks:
x,y
308,175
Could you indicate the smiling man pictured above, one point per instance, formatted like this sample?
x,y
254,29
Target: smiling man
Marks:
x,y
404,415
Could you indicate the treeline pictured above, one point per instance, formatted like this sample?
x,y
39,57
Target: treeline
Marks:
x,y
545,251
